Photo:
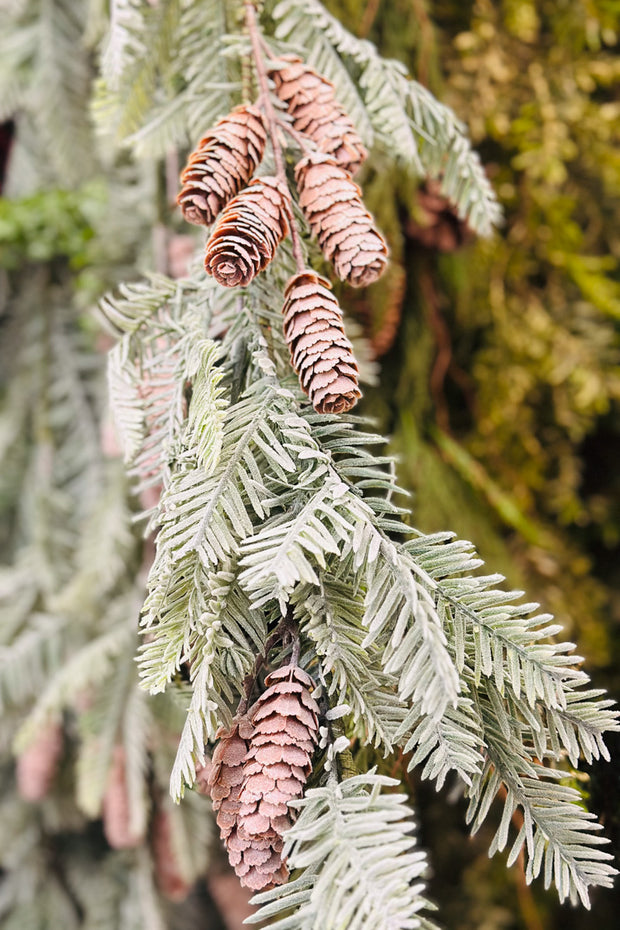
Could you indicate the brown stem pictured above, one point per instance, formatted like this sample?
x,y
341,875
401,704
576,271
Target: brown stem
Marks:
x,y
444,350
370,14
426,39
302,141
272,124
261,73
295,649
298,253
286,625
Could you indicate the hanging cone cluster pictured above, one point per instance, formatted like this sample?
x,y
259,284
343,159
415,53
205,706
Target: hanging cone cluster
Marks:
x,y
116,808
440,228
310,100
258,766
37,766
321,354
333,206
247,233
222,163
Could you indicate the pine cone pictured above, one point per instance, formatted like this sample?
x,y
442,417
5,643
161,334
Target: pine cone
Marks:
x,y
221,164
37,766
440,227
257,860
310,100
116,812
333,206
277,765
321,354
168,875
247,233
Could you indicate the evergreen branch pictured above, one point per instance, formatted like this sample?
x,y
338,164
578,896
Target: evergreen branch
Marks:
x,y
557,832
285,550
453,743
62,84
205,714
400,610
100,727
137,303
201,619
361,867
32,655
164,74
332,619
87,667
491,636
410,122
205,415
143,46
579,726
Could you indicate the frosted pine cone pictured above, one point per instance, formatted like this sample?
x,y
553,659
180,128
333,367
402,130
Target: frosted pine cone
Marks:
x,y
221,164
321,354
169,877
256,859
116,809
333,206
247,233
310,100
277,765
37,766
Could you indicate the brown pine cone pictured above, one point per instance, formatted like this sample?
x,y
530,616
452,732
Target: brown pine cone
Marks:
x,y
278,762
333,206
256,859
116,812
247,233
439,226
37,766
221,164
310,100
321,354
169,877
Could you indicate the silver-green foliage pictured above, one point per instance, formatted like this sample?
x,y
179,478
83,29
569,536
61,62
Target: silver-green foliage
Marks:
x,y
263,508
164,77
293,510
45,72
359,859
70,588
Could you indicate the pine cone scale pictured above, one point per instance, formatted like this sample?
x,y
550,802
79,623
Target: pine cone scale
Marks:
x,y
257,767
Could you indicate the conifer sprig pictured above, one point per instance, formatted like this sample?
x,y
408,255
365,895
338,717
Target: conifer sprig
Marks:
x,y
271,509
